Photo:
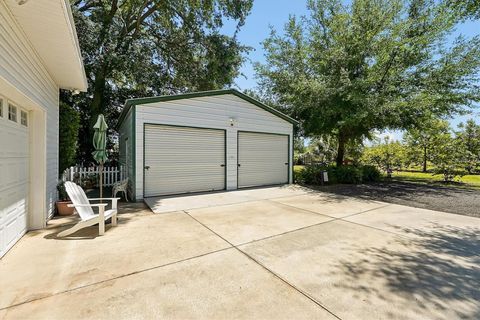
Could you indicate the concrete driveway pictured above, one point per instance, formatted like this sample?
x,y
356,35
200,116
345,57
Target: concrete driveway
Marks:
x,y
271,253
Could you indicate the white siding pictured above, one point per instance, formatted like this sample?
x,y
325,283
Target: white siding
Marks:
x,y
126,156
21,68
208,112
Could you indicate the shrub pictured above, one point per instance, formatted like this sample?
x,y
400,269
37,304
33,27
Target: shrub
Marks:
x,y
312,174
69,124
348,174
370,174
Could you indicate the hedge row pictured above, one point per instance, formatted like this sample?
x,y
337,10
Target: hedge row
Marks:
x,y
344,174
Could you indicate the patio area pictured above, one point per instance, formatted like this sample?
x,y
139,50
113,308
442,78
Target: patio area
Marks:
x,y
276,253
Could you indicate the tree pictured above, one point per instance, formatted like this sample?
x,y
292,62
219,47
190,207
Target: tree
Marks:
x,y
469,141
467,9
386,155
347,70
447,157
422,139
69,120
135,48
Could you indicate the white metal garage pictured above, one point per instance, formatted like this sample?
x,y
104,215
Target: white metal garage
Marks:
x,y
203,141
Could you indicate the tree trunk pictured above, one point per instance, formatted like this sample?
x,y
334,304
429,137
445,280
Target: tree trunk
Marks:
x,y
424,159
97,106
341,149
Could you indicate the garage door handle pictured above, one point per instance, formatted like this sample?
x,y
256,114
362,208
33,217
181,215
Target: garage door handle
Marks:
x,y
222,165
239,165
286,163
147,167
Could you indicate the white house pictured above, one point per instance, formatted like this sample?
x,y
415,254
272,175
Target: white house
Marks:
x,y
203,141
39,54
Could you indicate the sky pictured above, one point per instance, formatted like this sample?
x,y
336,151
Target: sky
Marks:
x,y
275,13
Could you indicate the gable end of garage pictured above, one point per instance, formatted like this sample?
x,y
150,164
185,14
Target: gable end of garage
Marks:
x,y
133,102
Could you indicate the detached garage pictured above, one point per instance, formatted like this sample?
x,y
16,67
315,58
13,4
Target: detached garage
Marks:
x,y
203,141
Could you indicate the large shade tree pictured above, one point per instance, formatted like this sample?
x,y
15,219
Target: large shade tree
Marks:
x,y
347,70
135,48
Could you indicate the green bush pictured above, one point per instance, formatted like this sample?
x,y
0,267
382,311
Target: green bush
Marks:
x,y
69,124
309,175
313,174
370,174
345,174
348,174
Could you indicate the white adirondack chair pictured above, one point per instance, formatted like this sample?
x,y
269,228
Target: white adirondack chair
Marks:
x,y
84,208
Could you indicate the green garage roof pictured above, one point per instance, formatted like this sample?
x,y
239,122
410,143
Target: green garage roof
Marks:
x,y
133,102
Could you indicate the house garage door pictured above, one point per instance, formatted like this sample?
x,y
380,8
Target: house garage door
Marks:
x,y
183,159
262,159
14,177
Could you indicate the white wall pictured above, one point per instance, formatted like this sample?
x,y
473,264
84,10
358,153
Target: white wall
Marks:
x,y
209,112
25,81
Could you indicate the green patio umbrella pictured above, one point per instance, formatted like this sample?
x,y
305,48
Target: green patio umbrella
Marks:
x,y
100,145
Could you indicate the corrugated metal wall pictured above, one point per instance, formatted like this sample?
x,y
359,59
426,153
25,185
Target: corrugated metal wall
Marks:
x,y
181,159
262,159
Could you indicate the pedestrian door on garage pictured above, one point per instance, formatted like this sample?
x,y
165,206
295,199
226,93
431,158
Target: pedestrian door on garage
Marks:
x,y
263,159
14,175
183,159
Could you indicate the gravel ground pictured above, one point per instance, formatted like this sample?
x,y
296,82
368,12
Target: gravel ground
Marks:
x,y
447,199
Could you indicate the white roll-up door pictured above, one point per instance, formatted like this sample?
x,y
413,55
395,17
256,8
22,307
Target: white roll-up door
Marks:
x,y
183,159
262,159
14,177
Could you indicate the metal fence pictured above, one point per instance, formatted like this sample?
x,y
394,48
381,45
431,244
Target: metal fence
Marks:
x,y
83,175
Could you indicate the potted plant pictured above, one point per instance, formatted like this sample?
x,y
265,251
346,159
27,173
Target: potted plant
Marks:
x,y
63,201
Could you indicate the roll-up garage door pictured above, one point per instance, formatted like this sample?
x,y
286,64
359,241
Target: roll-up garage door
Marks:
x,y
183,159
14,177
262,159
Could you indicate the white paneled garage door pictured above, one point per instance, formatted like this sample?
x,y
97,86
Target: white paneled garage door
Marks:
x,y
262,159
183,159
14,176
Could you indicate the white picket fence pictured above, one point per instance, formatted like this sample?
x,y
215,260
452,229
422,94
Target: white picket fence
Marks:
x,y
79,174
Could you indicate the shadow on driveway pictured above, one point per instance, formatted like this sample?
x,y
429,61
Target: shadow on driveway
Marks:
x,y
447,199
437,270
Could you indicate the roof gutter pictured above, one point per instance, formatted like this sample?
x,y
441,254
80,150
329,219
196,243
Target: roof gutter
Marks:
x,y
73,35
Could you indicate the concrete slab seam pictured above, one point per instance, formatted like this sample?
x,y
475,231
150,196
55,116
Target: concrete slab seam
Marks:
x,y
117,277
222,205
306,295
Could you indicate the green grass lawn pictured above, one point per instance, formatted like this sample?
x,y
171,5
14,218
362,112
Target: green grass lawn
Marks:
x,y
469,180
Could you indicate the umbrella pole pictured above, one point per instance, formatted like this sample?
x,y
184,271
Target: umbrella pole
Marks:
x,y
101,181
